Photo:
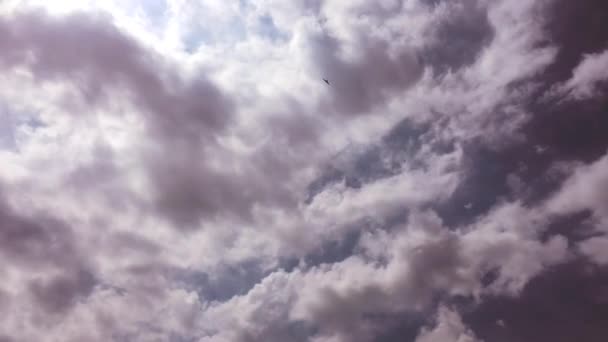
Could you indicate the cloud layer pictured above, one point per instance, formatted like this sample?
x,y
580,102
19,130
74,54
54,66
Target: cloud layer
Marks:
x,y
179,171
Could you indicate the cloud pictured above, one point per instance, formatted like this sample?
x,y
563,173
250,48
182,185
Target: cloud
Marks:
x,y
182,173
357,85
459,36
449,327
595,249
584,189
32,242
59,293
587,77
542,302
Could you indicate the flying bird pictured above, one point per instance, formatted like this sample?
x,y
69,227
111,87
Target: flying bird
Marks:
x,y
326,81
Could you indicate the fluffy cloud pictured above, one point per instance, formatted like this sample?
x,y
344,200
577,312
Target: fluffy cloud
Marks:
x,y
449,327
179,171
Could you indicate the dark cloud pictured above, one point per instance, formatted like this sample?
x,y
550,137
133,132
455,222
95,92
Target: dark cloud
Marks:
x,y
188,191
359,85
457,41
403,327
554,134
570,130
48,251
59,293
180,113
334,250
342,315
108,59
576,28
35,241
225,283
124,243
567,303
576,227
484,182
293,126
518,171
183,115
434,264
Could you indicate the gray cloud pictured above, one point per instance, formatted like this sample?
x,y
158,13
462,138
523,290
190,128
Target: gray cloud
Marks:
x,y
35,242
468,191
184,115
588,77
187,190
59,293
595,249
107,58
181,114
584,189
358,85
565,31
449,327
561,305
457,41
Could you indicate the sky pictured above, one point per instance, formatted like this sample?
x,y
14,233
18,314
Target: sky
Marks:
x,y
177,170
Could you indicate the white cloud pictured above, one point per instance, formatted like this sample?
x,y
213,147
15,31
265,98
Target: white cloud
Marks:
x,y
595,248
586,77
178,143
449,327
586,188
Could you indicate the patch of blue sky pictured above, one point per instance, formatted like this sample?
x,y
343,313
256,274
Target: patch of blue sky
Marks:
x,y
156,14
155,10
215,32
208,34
268,29
153,13
14,124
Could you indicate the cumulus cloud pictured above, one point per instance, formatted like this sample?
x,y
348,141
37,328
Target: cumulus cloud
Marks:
x,y
179,171
449,327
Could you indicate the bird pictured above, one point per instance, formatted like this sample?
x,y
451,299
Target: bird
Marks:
x,y
326,81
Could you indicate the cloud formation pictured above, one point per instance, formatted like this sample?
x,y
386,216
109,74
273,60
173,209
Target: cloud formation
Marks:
x,y
179,171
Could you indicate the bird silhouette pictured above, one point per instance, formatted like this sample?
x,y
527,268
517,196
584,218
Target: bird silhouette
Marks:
x,y
326,81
